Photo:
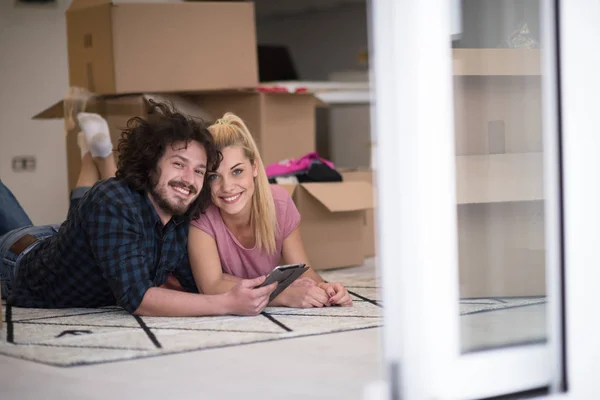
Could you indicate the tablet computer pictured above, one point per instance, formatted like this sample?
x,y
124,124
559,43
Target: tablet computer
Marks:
x,y
284,275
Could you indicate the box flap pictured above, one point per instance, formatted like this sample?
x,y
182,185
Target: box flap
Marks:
x,y
342,196
56,110
81,4
356,174
127,104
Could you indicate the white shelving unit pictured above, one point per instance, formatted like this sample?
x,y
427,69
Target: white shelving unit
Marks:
x,y
501,215
499,178
496,62
506,177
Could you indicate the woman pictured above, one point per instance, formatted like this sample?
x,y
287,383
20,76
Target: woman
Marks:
x,y
251,227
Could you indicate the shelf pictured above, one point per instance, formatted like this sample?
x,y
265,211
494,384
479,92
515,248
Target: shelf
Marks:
x,y
329,92
497,178
345,97
496,62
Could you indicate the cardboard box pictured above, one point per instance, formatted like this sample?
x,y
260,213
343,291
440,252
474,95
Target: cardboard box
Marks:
x,y
117,47
117,110
283,124
364,175
332,221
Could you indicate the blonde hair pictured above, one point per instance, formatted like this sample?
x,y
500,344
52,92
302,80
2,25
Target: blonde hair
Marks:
x,y
230,130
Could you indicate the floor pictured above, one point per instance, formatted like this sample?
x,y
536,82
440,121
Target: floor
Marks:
x,y
318,367
503,328
330,366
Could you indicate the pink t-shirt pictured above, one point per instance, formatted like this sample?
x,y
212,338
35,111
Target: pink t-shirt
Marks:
x,y
235,258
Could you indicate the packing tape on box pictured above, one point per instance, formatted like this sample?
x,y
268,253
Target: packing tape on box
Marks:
x,y
74,102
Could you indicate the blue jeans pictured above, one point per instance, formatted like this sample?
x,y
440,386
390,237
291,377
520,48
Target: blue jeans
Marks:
x,y
14,225
12,215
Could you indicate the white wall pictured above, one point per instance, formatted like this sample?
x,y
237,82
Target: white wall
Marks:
x,y
33,75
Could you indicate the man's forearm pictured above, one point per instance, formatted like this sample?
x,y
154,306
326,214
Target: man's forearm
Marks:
x,y
160,302
219,286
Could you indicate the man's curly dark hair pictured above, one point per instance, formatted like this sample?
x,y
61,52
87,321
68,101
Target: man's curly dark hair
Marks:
x,y
144,141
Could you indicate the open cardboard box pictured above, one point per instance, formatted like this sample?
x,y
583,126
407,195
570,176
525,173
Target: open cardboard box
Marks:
x,y
120,47
283,124
332,221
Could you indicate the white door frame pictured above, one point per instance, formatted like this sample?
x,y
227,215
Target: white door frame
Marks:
x,y
580,89
413,116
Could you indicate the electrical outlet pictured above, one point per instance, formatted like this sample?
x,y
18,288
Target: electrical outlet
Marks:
x,y
23,163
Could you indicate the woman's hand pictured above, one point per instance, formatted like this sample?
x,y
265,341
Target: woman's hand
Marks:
x,y
337,294
302,293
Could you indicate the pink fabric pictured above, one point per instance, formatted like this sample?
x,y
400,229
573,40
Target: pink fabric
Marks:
x,y
293,165
250,263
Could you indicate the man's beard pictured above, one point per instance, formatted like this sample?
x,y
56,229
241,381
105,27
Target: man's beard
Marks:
x,y
159,194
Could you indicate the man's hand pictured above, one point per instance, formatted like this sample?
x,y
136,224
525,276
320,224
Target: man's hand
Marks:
x,y
245,300
337,293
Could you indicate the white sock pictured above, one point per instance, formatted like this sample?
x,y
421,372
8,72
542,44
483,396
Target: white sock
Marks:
x,y
82,143
96,133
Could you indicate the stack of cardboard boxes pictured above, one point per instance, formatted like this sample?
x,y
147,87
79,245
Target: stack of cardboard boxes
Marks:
x,y
202,57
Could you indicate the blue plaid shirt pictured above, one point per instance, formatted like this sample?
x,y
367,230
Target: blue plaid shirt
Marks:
x,y
110,250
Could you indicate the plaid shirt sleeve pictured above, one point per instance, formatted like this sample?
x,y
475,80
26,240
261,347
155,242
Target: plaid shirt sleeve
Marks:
x,y
115,234
184,275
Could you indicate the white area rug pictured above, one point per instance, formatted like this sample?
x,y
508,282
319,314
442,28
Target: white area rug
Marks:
x,y
72,337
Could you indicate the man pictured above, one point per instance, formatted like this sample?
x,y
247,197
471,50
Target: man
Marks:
x,y
127,234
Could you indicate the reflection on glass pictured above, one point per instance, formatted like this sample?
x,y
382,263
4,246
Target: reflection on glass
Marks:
x,y
500,211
